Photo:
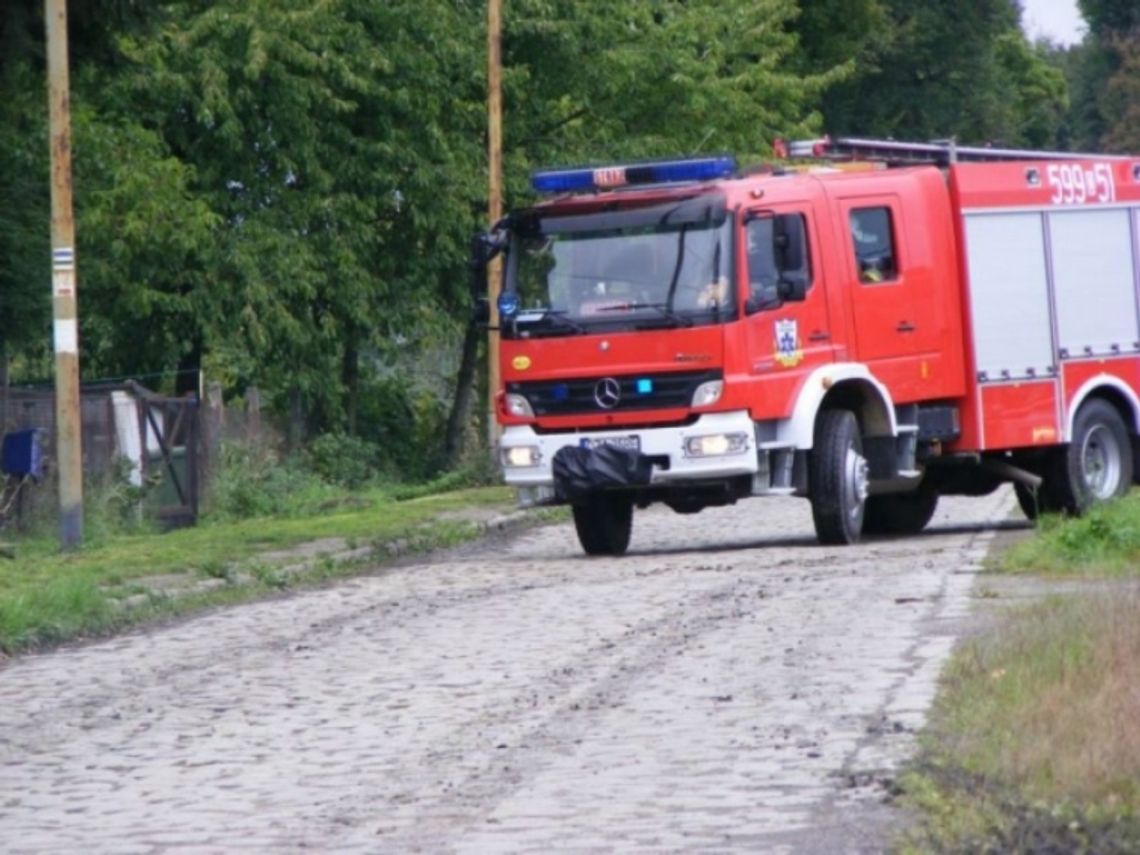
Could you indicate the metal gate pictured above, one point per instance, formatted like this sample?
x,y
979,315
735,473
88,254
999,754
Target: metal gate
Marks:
x,y
171,430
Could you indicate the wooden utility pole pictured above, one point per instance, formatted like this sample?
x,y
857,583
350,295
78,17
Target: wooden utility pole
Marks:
x,y
494,203
65,312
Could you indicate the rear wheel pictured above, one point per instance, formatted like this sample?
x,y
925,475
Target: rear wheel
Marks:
x,y
837,478
604,524
900,513
1097,465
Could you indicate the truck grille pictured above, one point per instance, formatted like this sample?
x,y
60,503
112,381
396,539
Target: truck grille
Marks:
x,y
597,394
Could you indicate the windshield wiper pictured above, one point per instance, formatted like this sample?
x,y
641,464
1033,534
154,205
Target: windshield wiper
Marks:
x,y
676,277
664,308
559,315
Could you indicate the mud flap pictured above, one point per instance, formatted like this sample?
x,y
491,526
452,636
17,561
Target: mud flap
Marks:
x,y
578,472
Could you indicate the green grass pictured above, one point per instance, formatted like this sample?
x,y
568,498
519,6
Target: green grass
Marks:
x,y
1034,743
46,596
1104,542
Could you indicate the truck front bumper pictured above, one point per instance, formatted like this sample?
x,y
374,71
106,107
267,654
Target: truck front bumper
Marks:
x,y
714,447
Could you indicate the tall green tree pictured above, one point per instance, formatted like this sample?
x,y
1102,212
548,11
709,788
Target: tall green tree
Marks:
x,y
1104,74
615,79
25,286
1116,16
336,145
950,68
1121,100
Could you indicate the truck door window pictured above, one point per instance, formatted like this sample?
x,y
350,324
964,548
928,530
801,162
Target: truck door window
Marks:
x,y
873,238
777,250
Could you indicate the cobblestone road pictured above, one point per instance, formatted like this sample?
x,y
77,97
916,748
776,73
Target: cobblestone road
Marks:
x,y
727,686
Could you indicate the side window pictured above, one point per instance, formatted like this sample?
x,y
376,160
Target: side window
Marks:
x,y
779,264
873,237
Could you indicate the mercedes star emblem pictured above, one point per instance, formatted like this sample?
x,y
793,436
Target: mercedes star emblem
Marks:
x,y
607,393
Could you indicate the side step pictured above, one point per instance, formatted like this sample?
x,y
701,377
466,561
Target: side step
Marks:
x,y
778,473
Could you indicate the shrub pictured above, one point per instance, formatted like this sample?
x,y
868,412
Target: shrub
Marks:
x,y
478,471
114,505
346,461
252,481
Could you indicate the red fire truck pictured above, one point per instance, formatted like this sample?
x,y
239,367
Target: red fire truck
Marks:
x,y
941,322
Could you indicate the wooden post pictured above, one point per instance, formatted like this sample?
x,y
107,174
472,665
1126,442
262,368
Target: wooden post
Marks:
x,y
495,204
213,426
65,309
253,416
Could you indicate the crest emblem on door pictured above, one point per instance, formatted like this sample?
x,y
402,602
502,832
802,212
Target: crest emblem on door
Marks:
x,y
788,350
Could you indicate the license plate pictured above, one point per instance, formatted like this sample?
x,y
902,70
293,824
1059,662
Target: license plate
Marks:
x,y
628,443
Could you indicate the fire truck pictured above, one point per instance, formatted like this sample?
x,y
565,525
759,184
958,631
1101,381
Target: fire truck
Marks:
x,y
902,322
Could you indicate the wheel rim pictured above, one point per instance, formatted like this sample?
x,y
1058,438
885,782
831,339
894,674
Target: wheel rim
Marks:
x,y
855,486
1100,462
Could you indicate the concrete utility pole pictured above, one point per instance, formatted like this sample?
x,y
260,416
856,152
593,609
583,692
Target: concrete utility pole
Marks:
x,y
65,312
495,202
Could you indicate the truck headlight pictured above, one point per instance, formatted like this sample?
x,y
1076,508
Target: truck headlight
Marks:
x,y
518,405
716,445
708,393
520,455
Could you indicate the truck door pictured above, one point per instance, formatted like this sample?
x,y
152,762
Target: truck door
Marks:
x,y
891,319
786,321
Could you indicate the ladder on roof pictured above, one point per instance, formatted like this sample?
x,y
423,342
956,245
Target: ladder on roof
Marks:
x,y
899,153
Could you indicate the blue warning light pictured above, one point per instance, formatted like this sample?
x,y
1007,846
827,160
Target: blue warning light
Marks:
x,y
508,304
624,175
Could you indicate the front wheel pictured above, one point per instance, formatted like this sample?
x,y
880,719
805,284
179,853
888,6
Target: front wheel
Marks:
x,y
837,478
604,524
1097,465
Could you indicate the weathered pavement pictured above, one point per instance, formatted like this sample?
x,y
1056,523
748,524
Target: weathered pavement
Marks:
x,y
727,686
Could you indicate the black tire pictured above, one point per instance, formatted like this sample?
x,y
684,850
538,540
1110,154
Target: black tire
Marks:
x,y
837,478
1096,466
604,525
900,513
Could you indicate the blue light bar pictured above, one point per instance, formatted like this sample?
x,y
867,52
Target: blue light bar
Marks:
x,y
609,177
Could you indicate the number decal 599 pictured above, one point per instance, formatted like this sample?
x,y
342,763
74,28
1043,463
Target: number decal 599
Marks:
x,y
1078,184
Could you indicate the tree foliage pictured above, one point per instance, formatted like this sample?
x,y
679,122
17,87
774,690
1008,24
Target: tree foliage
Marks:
x,y
1111,16
1103,74
946,68
281,191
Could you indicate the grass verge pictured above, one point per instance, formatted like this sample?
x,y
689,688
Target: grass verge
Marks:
x,y
47,597
1033,744
1104,543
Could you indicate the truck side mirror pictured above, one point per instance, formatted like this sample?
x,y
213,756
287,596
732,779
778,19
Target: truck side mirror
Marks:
x,y
484,247
789,248
792,287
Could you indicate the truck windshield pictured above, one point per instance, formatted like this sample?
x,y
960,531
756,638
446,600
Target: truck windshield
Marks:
x,y
649,267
